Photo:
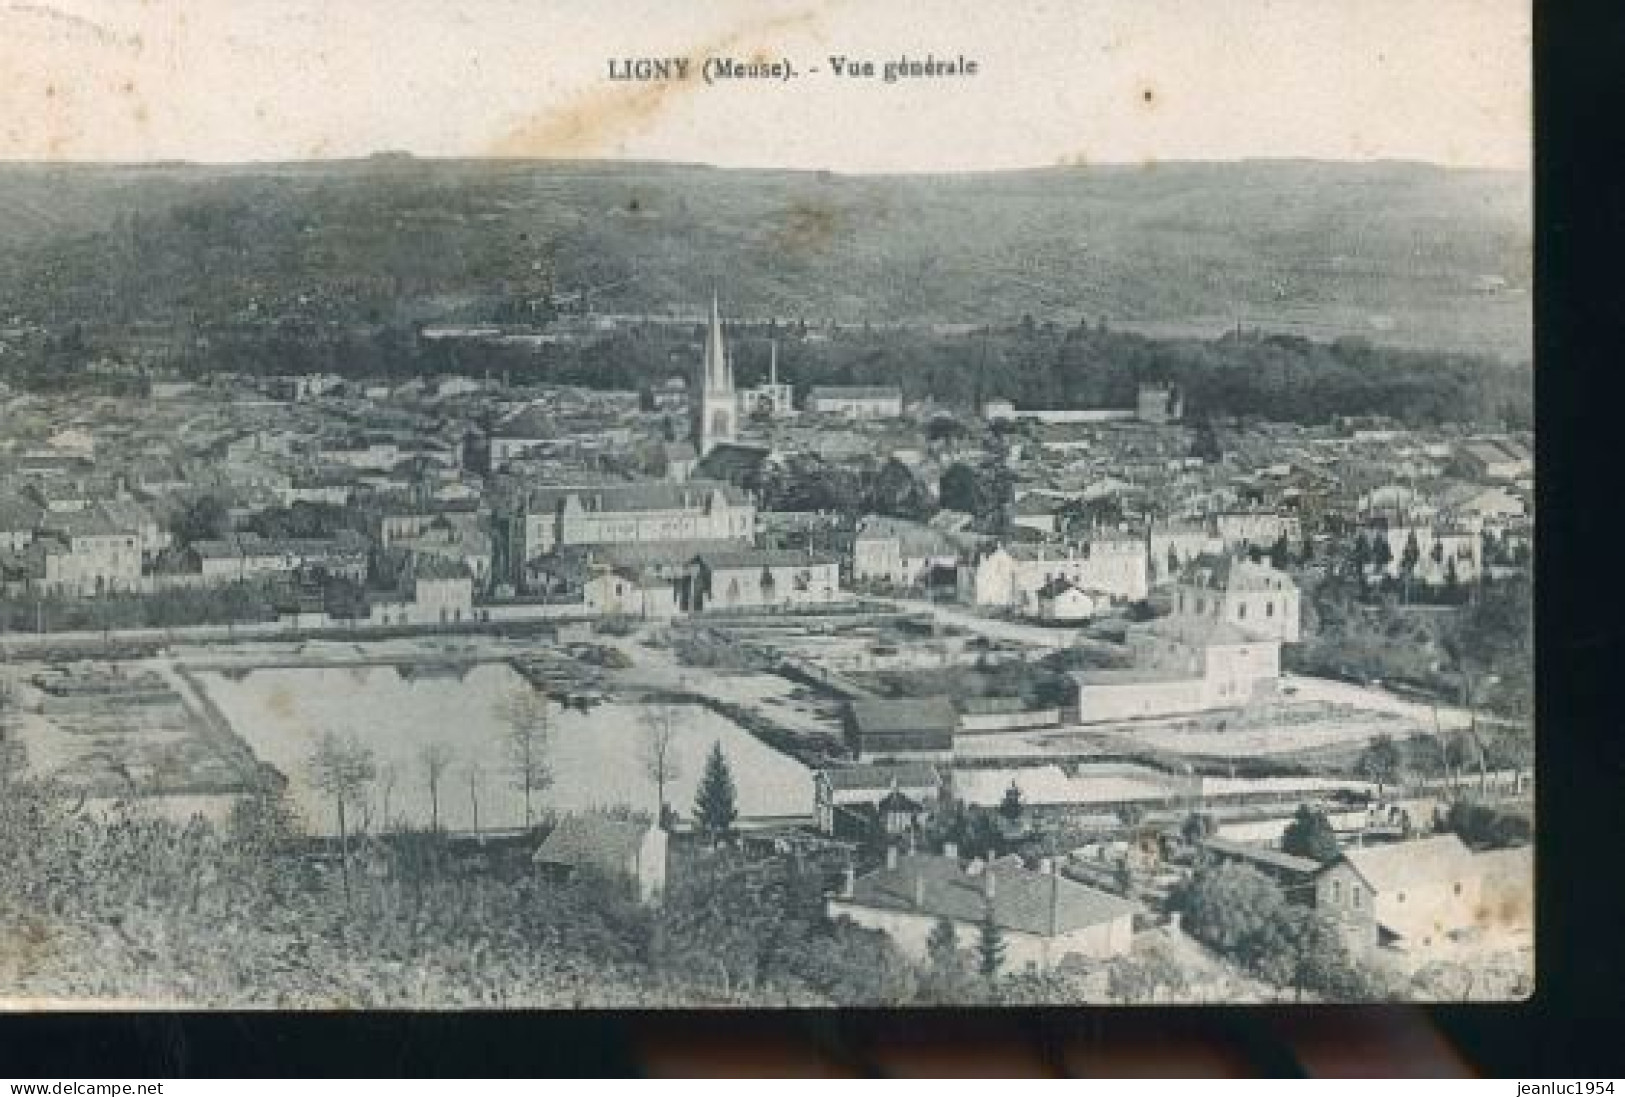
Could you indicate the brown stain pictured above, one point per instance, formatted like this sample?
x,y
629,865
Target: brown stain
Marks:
x,y
1511,909
593,122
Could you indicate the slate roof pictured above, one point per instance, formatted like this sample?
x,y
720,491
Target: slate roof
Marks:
x,y
1057,587
739,559
636,554
914,714
592,840
1274,858
1025,902
1419,863
914,539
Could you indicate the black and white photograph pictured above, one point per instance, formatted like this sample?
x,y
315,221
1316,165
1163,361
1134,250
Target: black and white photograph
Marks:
x,y
717,505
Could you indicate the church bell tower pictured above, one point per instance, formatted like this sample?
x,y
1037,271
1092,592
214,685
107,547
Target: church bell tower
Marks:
x,y
717,407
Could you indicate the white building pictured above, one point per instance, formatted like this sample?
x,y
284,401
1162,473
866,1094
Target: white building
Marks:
x,y
1256,528
1012,575
768,579
622,591
623,514
772,399
1181,667
899,552
1256,599
1410,895
856,402
1440,548
83,554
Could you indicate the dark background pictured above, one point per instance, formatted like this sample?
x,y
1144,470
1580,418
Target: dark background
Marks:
x,y
1572,1028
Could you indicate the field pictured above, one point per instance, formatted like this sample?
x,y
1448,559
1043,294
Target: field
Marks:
x,y
117,732
594,756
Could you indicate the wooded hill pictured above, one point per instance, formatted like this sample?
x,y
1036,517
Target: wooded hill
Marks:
x,y
1405,254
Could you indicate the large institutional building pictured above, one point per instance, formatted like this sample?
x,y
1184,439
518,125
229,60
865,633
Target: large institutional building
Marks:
x,y
636,513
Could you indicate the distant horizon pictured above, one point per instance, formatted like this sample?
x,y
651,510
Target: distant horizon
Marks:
x,y
396,155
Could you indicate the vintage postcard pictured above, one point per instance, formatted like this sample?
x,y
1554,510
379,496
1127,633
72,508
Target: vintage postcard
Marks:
x,y
723,503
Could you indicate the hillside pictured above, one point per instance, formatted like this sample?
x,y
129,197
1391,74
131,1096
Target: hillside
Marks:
x,y
1401,253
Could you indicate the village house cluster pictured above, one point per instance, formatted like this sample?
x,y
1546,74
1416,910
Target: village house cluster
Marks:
x,y
288,506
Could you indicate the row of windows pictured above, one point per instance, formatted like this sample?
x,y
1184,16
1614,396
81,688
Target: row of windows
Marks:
x,y
1336,889
1241,607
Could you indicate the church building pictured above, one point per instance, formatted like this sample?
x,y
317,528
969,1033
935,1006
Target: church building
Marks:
x,y
716,411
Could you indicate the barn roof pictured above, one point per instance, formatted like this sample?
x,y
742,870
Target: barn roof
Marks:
x,y
1412,864
1044,904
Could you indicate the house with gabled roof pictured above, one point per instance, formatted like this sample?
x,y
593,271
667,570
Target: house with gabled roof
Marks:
x,y
911,729
1256,599
1043,917
623,849
1405,895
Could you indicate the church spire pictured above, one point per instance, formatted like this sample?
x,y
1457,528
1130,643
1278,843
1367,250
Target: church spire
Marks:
x,y
717,407
718,372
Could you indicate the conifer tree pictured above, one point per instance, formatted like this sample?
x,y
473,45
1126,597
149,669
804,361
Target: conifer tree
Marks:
x,y
715,808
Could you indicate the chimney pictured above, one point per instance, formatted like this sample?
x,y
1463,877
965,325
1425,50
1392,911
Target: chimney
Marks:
x,y
1046,866
919,892
891,857
849,883
988,886
950,850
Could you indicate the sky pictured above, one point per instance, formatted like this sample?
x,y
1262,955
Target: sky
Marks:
x,y
1074,82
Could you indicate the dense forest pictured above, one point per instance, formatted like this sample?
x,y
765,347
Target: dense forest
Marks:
x,y
1245,373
